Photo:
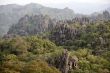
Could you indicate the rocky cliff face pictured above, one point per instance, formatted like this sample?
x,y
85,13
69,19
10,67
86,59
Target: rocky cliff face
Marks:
x,y
65,62
32,25
10,14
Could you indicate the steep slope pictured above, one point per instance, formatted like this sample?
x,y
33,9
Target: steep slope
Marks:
x,y
104,15
93,35
10,14
108,9
32,25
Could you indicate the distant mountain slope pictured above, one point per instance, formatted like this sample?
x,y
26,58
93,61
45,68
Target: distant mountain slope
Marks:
x,y
108,9
10,14
32,25
105,15
37,24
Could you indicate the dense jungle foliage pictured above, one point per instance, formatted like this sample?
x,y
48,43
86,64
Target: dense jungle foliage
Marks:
x,y
71,46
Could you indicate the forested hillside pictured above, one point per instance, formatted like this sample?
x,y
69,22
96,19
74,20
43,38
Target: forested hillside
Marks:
x,y
92,35
82,46
37,55
38,39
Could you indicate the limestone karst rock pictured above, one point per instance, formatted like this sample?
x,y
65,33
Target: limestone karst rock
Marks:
x,y
65,62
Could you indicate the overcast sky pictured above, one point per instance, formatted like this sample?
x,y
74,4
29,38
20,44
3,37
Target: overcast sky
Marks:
x,y
79,6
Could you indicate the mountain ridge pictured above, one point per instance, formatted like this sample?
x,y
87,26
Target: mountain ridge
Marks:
x,y
10,14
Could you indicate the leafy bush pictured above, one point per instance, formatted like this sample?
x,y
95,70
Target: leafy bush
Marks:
x,y
39,66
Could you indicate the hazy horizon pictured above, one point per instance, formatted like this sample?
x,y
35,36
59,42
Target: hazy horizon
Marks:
x,y
79,6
